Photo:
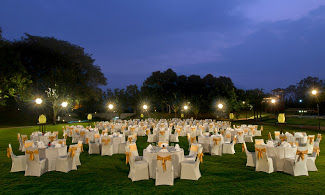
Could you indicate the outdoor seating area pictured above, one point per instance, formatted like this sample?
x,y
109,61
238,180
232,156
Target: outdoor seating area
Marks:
x,y
164,160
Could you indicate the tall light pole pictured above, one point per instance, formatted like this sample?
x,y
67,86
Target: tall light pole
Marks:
x,y
314,92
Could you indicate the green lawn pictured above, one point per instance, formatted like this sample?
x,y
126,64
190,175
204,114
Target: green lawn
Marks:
x,y
97,174
297,121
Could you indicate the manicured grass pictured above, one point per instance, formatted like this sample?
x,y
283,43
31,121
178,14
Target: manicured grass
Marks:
x,y
312,121
220,174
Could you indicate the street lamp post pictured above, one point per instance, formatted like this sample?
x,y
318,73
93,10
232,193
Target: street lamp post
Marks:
x,y
314,92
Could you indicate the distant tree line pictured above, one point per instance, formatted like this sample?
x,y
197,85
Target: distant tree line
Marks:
x,y
58,71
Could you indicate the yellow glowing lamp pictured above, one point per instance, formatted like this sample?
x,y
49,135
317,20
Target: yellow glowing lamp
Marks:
x,y
42,119
281,118
89,117
182,115
142,115
231,116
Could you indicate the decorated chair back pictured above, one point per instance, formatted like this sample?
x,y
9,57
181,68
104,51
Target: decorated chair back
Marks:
x,y
301,155
32,154
259,142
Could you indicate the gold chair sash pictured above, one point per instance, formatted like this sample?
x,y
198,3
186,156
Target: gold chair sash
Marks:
x,y
269,136
133,147
283,138
228,135
87,140
316,150
82,133
127,157
81,147
62,142
97,136
162,132
260,152
52,138
216,140
192,139
311,140
130,139
243,148
301,154
200,156
234,140
194,148
319,136
9,152
72,151
106,141
31,153
164,159
147,132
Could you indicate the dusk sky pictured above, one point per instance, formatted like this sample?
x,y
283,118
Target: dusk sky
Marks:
x,y
259,44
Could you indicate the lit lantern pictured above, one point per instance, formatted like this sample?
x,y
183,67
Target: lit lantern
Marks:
x,y
281,118
182,115
42,119
142,115
89,117
231,116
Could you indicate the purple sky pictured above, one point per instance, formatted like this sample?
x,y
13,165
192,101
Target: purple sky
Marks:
x,y
259,44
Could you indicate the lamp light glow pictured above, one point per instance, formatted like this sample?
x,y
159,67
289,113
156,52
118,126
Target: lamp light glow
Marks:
x,y
314,92
64,104
38,101
220,106
185,107
145,107
110,106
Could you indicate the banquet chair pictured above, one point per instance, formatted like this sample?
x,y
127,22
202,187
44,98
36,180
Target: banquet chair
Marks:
x,y
216,145
229,148
193,152
163,135
106,146
139,169
297,166
263,162
227,137
240,137
251,157
94,146
248,138
276,135
75,136
51,154
27,144
20,142
190,170
310,143
68,162
258,132
311,165
259,141
151,137
319,137
279,158
18,163
34,165
164,169
174,137
133,150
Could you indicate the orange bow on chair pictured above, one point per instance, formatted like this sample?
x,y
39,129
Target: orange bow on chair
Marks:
x,y
164,159
270,136
319,136
192,140
311,139
243,148
127,157
316,150
301,154
9,152
106,141
162,132
216,140
31,153
81,147
130,139
72,151
260,152
52,138
200,156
